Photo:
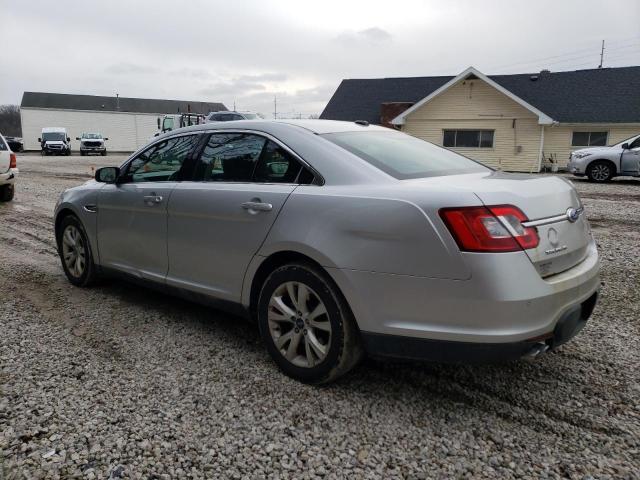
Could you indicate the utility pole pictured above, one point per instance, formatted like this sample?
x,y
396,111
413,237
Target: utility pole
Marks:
x,y
234,105
275,107
601,54
117,101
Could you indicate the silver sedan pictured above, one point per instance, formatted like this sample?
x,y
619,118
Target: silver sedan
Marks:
x,y
341,239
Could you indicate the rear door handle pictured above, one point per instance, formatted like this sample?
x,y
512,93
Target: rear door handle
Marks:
x,y
152,199
257,206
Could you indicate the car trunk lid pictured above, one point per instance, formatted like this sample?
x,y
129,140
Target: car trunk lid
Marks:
x,y
552,206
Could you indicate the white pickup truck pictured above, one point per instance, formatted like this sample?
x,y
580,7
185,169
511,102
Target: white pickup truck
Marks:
x,y
8,171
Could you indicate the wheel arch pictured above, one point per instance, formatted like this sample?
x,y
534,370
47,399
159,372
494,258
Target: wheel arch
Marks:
x,y
261,267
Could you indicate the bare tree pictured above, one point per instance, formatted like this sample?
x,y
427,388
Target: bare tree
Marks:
x,y
10,120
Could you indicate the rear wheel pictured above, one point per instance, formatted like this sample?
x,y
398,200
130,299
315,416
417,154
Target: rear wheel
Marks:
x,y
7,192
307,325
600,171
75,252
104,153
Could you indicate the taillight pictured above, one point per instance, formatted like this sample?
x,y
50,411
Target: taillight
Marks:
x,y
495,228
12,160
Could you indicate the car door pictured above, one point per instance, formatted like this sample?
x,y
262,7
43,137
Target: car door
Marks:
x,y
630,158
218,221
132,213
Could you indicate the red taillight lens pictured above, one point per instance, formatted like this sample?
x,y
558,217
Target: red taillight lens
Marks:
x,y
489,229
12,160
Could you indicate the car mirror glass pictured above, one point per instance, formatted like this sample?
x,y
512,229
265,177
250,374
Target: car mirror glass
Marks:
x,y
625,146
107,174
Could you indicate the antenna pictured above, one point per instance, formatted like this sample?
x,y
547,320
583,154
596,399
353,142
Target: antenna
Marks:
x,y
601,54
275,107
117,101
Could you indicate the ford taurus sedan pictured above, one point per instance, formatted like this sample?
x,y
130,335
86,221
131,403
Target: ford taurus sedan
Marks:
x,y
341,239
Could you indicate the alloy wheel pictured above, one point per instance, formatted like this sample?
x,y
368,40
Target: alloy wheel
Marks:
x,y
600,172
299,324
73,251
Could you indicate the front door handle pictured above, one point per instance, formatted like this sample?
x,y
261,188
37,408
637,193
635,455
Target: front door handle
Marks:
x,y
257,206
152,199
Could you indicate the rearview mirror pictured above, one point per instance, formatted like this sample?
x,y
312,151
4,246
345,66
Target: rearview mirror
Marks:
x,y
39,140
107,174
625,146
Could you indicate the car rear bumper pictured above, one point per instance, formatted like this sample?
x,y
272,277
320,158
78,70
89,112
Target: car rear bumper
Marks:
x,y
9,176
505,302
567,327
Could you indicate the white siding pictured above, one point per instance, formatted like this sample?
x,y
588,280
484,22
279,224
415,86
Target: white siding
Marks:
x,y
474,104
126,131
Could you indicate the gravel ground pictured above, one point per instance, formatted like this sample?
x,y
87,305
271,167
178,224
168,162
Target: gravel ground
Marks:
x,y
121,382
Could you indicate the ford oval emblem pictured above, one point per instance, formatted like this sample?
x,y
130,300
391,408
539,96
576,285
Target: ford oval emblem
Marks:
x,y
573,214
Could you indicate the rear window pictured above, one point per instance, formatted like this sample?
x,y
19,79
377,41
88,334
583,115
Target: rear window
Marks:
x,y
403,156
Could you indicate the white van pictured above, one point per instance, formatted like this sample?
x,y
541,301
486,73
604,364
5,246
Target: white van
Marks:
x,y
55,141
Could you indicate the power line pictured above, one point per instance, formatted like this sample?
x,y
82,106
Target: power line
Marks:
x,y
573,55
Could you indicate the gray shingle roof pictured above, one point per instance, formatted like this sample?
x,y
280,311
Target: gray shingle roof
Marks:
x,y
110,104
608,95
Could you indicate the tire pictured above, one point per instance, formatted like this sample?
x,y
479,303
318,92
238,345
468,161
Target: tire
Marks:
x,y
104,153
7,192
78,274
82,154
68,153
318,356
600,171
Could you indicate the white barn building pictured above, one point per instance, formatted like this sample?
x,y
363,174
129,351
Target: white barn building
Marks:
x,y
129,123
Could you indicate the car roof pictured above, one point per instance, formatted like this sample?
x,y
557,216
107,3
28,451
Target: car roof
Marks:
x,y
313,126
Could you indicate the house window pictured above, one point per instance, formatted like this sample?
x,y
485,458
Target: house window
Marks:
x,y
468,138
589,139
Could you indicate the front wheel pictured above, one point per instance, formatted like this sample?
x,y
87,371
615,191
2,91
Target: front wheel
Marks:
x,y
104,153
75,252
600,172
7,192
307,325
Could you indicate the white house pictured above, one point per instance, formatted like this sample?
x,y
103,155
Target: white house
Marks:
x,y
127,122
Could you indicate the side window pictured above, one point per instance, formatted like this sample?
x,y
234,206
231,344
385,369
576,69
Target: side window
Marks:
x,y
229,157
161,162
3,146
276,165
635,143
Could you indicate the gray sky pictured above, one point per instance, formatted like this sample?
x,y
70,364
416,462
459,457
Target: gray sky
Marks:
x,y
247,51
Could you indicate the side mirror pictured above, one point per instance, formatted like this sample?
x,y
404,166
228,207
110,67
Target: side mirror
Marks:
x,y
77,138
106,138
107,174
39,140
625,146
68,139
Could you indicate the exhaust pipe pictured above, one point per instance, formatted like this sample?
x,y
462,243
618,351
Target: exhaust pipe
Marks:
x,y
537,349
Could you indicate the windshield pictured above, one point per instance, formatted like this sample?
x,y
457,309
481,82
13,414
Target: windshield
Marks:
x,y
627,140
51,136
403,156
91,135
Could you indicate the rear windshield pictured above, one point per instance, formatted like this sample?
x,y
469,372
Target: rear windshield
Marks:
x,y
403,156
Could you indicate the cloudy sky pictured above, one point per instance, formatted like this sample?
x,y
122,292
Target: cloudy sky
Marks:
x,y
248,51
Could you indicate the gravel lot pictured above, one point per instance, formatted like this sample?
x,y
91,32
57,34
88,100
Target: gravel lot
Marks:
x,y
121,382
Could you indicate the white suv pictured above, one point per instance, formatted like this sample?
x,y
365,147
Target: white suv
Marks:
x,y
231,116
601,164
8,171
